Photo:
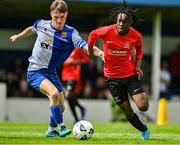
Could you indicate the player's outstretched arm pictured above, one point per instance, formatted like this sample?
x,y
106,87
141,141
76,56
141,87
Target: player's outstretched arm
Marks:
x,y
26,32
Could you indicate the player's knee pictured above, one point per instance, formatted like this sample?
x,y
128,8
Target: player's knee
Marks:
x,y
143,103
54,96
144,107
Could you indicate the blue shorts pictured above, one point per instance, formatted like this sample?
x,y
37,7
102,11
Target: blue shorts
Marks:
x,y
35,78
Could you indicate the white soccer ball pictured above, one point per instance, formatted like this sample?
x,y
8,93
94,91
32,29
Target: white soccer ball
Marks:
x,y
83,130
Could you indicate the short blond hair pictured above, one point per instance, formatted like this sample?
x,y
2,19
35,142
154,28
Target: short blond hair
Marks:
x,y
59,5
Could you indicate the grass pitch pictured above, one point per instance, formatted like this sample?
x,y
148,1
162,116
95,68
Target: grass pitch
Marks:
x,y
105,133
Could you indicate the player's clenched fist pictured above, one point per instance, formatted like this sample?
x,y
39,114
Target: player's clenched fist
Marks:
x,y
13,38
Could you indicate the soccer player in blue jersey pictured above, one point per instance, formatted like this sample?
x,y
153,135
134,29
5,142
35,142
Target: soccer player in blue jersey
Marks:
x,y
55,42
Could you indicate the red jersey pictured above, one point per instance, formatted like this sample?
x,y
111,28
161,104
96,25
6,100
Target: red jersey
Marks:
x,y
175,65
73,71
120,51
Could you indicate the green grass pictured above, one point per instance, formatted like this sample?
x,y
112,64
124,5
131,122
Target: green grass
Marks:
x,y
105,133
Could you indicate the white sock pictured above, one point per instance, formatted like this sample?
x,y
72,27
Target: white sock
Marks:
x,y
59,125
51,128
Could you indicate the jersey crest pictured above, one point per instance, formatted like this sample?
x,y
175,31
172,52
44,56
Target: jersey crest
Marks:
x,y
126,45
63,34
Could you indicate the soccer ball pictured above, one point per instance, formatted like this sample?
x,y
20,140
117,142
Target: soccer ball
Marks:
x,y
83,130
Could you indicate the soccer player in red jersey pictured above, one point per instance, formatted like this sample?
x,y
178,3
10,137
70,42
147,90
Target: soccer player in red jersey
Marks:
x,y
123,51
71,76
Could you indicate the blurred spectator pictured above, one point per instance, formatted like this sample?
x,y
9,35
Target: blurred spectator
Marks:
x,y
24,90
165,79
174,63
19,67
101,88
12,85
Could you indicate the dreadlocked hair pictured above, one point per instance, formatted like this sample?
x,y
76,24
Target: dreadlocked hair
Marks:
x,y
126,10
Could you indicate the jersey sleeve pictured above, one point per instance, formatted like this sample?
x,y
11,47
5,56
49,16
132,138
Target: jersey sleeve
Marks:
x,y
95,35
139,48
78,42
34,28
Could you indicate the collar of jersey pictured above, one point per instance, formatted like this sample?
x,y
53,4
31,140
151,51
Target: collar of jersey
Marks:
x,y
55,28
